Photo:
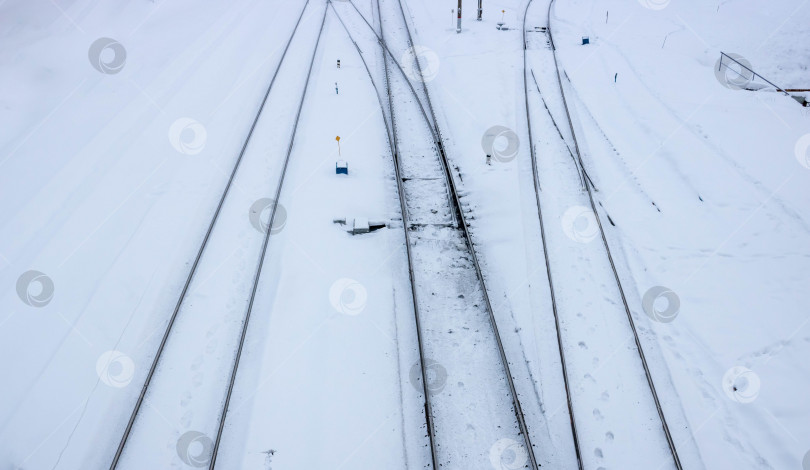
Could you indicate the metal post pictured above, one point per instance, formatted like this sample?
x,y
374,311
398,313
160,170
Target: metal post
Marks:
x,y
458,23
479,10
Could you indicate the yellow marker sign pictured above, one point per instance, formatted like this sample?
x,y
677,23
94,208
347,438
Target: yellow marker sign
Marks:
x,y
338,141
337,138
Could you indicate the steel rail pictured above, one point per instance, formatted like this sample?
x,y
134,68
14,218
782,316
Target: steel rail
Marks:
x,y
437,133
548,111
431,125
549,276
468,238
463,226
122,443
394,147
428,405
636,338
260,265
419,68
370,76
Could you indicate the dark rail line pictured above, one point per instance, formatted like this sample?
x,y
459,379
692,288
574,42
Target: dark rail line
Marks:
x,y
260,264
549,276
589,186
150,374
468,238
462,226
394,148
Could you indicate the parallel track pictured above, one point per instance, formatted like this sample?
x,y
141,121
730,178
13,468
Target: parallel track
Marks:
x,y
590,189
461,225
468,238
536,181
260,264
460,222
192,272
392,142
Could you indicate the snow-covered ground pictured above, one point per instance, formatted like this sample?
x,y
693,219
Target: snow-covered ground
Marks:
x,y
731,238
100,195
319,385
121,124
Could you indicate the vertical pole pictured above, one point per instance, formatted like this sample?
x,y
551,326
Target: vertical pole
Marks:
x,y
458,23
480,10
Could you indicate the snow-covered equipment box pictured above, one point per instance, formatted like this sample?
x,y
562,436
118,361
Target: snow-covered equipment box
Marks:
x,y
360,225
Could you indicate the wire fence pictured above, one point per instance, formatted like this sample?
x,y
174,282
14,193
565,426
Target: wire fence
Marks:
x,y
734,71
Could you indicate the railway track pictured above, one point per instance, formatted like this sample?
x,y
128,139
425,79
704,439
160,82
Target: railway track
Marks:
x,y
585,182
549,276
519,415
456,324
394,148
258,274
184,294
435,238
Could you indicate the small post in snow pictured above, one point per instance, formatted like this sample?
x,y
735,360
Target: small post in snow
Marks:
x,y
458,23
338,63
607,14
336,89
338,141
480,10
615,77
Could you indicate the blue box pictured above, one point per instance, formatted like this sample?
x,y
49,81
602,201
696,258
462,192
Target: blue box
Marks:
x,y
341,168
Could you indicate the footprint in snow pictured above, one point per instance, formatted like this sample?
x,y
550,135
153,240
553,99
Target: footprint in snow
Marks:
x,y
197,379
185,420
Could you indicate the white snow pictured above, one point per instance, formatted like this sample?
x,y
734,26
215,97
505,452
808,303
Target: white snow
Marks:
x,y
109,181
